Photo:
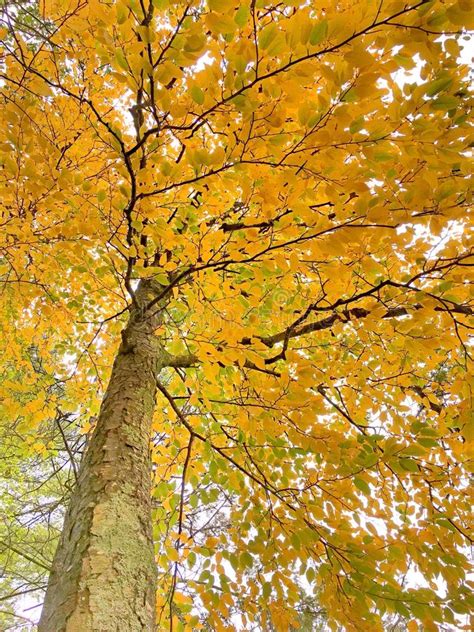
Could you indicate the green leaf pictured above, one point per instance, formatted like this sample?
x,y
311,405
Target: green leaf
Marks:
x,y
445,102
213,469
197,94
356,125
409,465
438,85
121,60
295,540
362,485
414,450
427,442
445,285
161,278
122,13
241,16
246,560
267,35
383,157
318,32
350,96
444,522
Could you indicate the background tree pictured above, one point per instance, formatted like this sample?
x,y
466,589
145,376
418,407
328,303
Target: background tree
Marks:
x,y
36,484
37,472
257,213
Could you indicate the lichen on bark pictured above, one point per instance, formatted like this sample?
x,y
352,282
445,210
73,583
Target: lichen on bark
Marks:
x,y
103,576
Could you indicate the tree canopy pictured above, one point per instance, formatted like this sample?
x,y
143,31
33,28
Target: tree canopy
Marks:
x,y
293,179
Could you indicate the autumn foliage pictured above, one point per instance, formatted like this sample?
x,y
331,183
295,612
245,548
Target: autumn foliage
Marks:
x,y
294,177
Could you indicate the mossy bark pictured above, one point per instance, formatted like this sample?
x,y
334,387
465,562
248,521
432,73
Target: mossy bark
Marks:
x,y
103,576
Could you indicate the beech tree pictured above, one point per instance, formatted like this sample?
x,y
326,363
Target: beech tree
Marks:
x,y
236,236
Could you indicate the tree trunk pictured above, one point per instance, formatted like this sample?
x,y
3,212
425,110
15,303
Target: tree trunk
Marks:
x,y
103,575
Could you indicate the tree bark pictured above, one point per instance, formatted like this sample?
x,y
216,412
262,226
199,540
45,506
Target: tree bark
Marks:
x,y
103,577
